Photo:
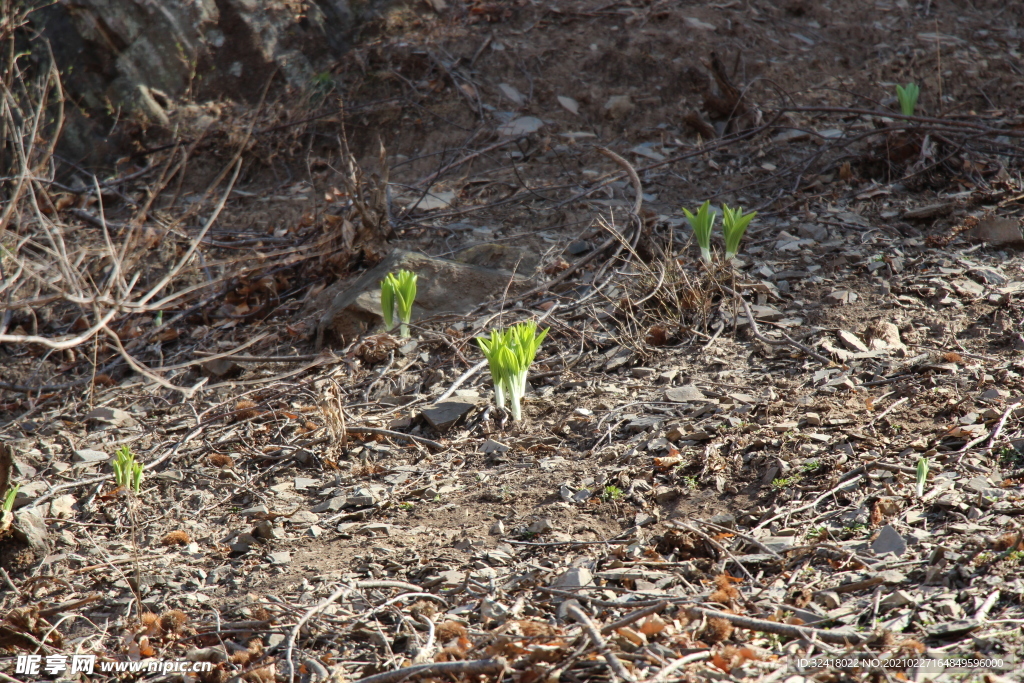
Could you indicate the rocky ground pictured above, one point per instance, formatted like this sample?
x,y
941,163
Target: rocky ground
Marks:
x,y
719,470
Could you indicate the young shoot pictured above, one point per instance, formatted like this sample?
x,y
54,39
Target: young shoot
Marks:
x,y
510,353
907,95
701,224
397,294
491,349
127,472
922,475
9,498
734,225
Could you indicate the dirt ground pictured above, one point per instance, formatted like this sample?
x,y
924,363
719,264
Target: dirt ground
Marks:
x,y
674,457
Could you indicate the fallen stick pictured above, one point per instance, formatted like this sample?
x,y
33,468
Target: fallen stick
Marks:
x,y
475,666
614,664
396,435
789,630
633,617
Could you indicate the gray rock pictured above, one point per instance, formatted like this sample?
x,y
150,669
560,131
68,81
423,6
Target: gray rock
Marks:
x,y
62,507
135,56
443,286
30,528
110,416
89,456
684,394
953,629
279,558
442,416
303,517
331,505
999,231
305,483
540,526
851,341
491,446
253,511
644,423
889,541
575,577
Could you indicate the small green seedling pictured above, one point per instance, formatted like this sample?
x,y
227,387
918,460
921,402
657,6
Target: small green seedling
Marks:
x,y
922,475
701,224
610,493
734,224
907,95
510,353
9,498
127,472
397,294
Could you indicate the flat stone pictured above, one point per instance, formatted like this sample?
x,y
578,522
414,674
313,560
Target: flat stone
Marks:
x,y
644,423
442,416
377,529
110,416
62,507
953,629
897,599
889,541
31,528
999,232
305,483
851,341
642,373
685,394
303,517
572,578
279,558
253,511
540,526
840,297
89,456
331,505
352,307
666,377
492,446
524,125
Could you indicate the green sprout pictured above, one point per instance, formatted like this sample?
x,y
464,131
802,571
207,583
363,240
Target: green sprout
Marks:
x,y
785,482
510,353
701,224
811,465
922,475
610,493
127,472
734,224
397,294
9,498
907,95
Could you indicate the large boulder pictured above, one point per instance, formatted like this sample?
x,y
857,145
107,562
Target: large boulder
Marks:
x,y
120,57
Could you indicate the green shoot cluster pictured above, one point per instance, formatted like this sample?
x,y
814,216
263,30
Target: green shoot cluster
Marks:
x,y
907,95
397,294
127,471
701,222
734,225
510,353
